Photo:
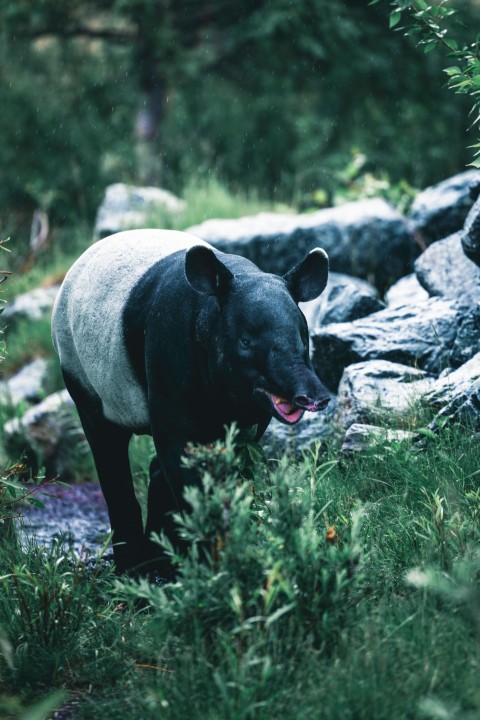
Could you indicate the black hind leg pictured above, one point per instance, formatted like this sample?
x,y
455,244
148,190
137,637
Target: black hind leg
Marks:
x,y
109,445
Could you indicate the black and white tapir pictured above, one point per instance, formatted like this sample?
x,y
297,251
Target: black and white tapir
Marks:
x,y
160,334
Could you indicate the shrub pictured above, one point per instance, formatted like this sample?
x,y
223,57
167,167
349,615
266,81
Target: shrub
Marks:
x,y
262,561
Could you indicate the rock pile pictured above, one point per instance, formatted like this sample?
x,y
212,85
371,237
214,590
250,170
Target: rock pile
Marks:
x,y
396,328
367,239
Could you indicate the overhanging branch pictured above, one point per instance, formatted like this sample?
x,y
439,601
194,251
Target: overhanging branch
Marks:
x,y
79,32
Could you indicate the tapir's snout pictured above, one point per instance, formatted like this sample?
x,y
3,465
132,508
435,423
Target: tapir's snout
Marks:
x,y
311,404
307,393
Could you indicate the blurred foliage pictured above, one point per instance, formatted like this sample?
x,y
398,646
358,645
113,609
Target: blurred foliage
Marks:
x,y
433,27
269,96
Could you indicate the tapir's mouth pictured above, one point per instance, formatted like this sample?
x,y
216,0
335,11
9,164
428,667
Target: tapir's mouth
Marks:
x,y
283,409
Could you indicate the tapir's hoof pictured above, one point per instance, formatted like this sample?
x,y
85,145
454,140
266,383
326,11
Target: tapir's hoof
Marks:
x,y
158,569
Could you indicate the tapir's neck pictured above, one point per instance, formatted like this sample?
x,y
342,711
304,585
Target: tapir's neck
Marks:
x,y
206,335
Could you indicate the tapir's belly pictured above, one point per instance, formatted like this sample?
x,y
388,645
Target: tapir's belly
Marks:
x,y
87,321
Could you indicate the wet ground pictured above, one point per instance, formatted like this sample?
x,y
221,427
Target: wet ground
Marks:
x,y
77,513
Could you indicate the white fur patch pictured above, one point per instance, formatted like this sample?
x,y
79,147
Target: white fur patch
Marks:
x,y
87,327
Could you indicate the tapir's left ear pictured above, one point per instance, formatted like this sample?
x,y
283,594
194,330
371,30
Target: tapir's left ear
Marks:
x,y
205,272
308,279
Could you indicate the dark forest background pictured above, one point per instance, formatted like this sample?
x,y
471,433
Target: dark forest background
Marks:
x,y
274,97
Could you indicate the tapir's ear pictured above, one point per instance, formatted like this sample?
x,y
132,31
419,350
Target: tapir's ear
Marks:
x,y
308,279
205,272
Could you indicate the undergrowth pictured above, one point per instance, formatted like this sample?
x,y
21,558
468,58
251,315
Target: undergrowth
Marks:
x,y
311,589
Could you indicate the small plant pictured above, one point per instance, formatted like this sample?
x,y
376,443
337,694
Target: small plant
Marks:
x,y
264,559
53,612
13,494
356,180
3,276
447,529
459,589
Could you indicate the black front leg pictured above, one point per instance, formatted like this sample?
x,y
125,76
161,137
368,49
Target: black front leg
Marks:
x,y
165,497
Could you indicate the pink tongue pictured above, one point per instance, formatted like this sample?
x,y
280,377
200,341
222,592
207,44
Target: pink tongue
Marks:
x,y
284,406
286,409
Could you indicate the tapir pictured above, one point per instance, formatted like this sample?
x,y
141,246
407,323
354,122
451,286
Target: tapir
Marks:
x,y
158,333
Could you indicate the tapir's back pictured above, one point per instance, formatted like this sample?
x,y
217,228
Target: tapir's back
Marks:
x,y
87,322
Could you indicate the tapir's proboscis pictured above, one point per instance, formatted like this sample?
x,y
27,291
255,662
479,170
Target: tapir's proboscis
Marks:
x,y
158,333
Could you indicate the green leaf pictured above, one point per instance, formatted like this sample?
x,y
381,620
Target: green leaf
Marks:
x,y
427,433
278,614
36,503
451,44
394,18
454,70
6,649
429,46
45,707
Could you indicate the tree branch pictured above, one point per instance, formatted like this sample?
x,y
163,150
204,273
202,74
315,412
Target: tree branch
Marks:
x,y
76,32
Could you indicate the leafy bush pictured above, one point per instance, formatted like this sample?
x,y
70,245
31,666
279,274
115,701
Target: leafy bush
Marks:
x,y
275,612
262,561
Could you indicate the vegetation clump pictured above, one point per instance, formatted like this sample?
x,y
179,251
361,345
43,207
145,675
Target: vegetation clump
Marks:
x,y
308,584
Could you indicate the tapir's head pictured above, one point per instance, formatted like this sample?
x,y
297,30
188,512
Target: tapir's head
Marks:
x,y
258,344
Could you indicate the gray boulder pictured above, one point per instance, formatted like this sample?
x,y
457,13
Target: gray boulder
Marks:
x,y
406,291
470,235
360,437
28,385
432,335
344,299
379,391
313,427
126,207
464,408
367,239
454,383
444,270
456,394
34,305
47,432
441,209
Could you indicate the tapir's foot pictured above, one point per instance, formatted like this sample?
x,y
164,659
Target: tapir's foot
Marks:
x,y
145,560
156,564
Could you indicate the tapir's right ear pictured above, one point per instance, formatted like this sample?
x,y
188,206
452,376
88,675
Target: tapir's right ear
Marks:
x,y
205,272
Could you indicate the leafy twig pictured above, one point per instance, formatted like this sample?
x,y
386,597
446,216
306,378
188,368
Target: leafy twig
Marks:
x,y
429,23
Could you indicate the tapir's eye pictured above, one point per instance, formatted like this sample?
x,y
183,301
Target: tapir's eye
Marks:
x,y
245,343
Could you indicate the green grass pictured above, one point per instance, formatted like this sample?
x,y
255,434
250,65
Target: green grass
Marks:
x,y
206,198
26,341
65,245
268,617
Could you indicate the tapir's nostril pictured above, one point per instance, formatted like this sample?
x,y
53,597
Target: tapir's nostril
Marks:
x,y
307,403
302,400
